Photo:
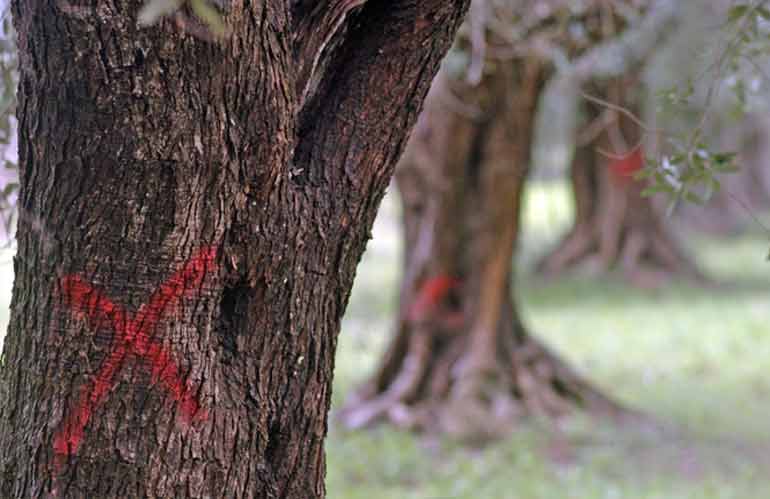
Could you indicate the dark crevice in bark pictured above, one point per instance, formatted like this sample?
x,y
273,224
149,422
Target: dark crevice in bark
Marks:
x,y
234,318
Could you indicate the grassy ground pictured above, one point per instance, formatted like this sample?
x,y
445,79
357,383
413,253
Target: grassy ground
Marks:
x,y
695,358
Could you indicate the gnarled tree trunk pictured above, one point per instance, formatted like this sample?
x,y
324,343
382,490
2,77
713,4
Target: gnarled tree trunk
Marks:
x,y
615,225
461,360
191,219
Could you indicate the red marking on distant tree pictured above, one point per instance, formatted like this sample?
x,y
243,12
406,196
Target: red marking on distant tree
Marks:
x,y
623,169
432,292
132,335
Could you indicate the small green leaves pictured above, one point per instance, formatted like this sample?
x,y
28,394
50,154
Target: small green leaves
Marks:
x,y
689,176
742,10
678,95
691,170
9,189
737,12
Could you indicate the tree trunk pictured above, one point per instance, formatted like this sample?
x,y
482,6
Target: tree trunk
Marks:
x,y
191,218
461,361
614,224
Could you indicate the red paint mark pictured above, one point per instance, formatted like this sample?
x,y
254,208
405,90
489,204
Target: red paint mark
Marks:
x,y
432,292
623,169
131,336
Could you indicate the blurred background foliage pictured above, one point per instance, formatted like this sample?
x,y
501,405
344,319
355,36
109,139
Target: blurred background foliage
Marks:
x,y
9,76
694,356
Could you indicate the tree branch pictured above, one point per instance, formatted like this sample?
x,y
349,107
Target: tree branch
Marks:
x,y
370,92
611,59
617,56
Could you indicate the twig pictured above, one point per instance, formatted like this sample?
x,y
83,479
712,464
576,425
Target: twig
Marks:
x,y
748,210
622,110
618,157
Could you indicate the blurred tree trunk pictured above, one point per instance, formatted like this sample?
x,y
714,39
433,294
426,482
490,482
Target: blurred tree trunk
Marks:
x,y
192,214
461,360
614,224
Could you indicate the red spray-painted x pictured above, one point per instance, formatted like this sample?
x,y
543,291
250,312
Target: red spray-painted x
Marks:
x,y
624,168
131,336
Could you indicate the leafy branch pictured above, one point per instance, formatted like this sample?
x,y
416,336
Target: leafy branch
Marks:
x,y
690,169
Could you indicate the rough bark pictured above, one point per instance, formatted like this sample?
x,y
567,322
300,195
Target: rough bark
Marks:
x,y
461,361
615,226
266,155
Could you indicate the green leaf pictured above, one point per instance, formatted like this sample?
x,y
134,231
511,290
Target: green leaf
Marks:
x,y
737,12
725,167
154,10
712,186
657,189
210,16
691,197
8,189
646,172
723,157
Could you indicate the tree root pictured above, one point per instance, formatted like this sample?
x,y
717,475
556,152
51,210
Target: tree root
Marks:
x,y
647,257
436,389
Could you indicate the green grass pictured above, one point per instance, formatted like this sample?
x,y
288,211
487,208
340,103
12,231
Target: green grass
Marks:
x,y
697,359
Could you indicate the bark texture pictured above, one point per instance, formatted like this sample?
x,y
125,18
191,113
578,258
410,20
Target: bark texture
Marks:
x,y
461,361
615,226
268,154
